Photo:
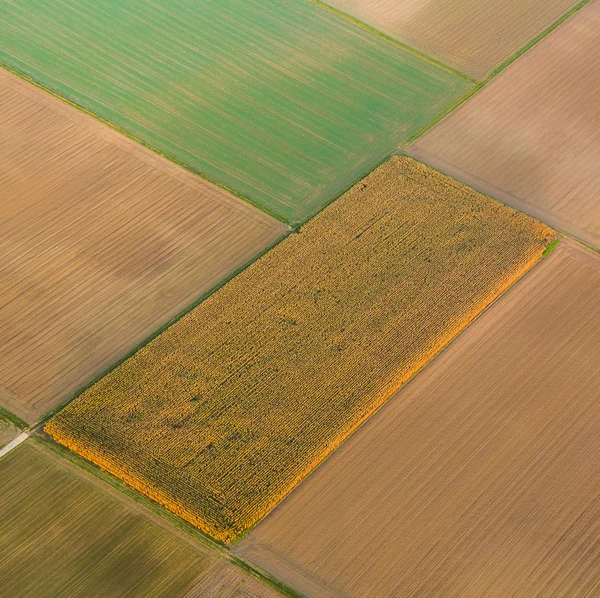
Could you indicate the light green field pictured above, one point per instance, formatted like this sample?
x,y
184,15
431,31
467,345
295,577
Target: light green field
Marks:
x,y
284,103
61,535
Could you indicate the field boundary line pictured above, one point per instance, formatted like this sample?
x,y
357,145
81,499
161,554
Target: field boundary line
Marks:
x,y
22,437
395,42
186,310
168,520
13,419
145,144
481,83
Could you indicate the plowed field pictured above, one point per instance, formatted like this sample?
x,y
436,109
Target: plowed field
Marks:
x,y
532,136
225,412
280,101
474,37
101,243
480,477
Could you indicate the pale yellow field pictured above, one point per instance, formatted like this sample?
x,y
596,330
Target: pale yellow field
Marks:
x,y
473,36
480,477
225,412
532,136
102,242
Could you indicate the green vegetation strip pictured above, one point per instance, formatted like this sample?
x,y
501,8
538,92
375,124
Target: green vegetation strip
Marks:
x,y
281,102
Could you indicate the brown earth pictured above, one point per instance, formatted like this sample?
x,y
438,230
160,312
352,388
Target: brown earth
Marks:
x,y
102,242
474,37
532,137
481,477
227,581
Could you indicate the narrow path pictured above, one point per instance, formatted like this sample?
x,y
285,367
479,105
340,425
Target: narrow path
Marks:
x,y
14,443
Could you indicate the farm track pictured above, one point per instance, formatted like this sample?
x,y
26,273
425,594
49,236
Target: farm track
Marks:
x,y
102,243
225,412
531,137
474,38
480,477
284,103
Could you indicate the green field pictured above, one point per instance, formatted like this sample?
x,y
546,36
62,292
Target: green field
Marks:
x,y
280,101
64,536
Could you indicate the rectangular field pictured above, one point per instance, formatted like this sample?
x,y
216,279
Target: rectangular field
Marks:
x,y
225,412
480,477
283,102
532,136
473,37
63,536
102,242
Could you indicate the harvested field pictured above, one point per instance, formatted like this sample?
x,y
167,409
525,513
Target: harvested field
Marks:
x,y
225,412
480,477
227,581
532,136
63,536
283,102
8,432
102,242
473,37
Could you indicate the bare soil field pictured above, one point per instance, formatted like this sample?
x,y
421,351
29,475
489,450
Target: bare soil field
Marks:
x,y
228,581
473,37
532,136
480,477
7,433
102,242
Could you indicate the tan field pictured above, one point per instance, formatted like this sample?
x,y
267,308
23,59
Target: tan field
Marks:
x,y
7,433
102,242
480,477
228,581
473,37
532,136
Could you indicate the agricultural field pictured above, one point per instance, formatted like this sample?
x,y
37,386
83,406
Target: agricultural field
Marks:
x,y
225,412
532,136
284,103
473,37
8,432
480,477
227,581
102,242
62,535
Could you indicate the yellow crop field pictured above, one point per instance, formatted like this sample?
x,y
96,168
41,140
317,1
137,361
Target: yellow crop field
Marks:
x,y
224,413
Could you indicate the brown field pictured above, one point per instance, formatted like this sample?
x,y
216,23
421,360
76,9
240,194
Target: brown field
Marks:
x,y
532,137
102,242
228,581
481,476
225,412
473,37
7,433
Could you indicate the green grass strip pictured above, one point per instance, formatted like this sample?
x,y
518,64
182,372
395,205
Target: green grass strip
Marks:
x,y
11,418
